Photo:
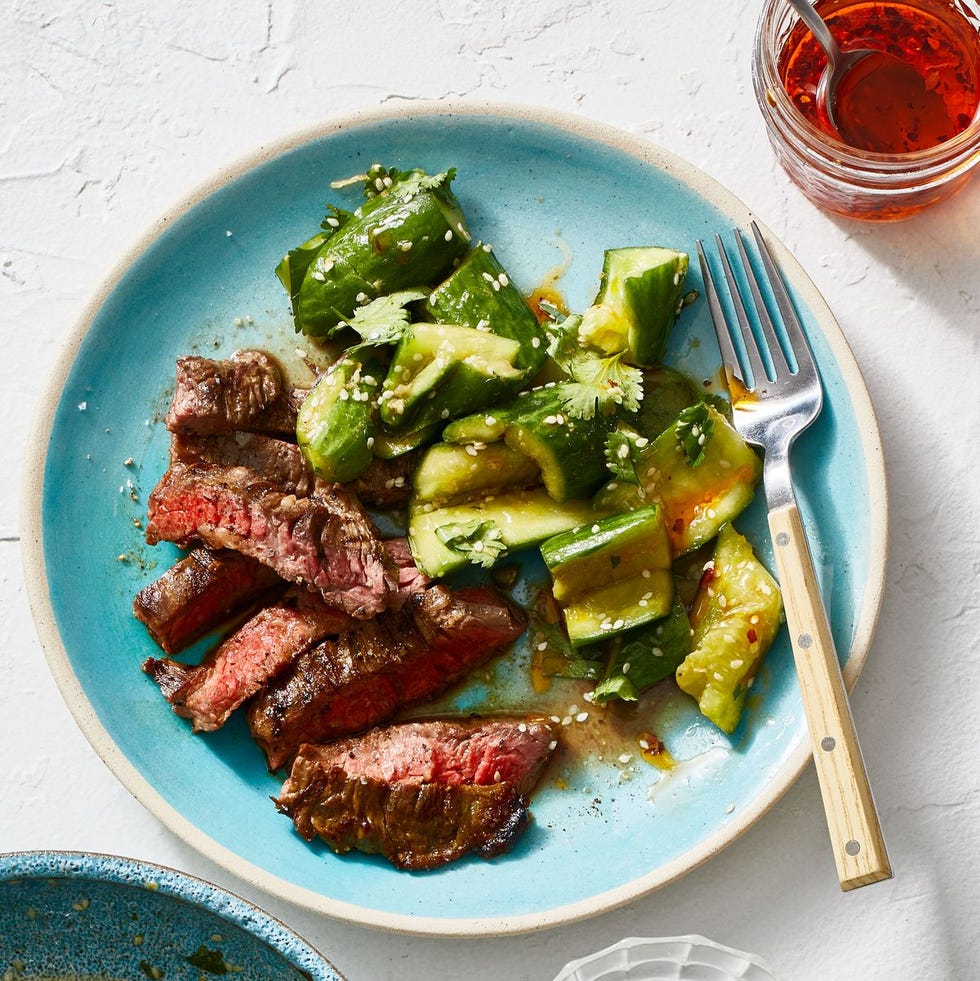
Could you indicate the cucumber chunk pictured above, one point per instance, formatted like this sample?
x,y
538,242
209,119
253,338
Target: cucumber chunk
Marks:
x,y
700,496
448,472
440,371
334,424
735,617
480,294
611,575
638,301
409,235
569,450
523,518
639,658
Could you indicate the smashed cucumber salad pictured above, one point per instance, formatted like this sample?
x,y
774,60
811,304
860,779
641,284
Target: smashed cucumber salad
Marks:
x,y
539,429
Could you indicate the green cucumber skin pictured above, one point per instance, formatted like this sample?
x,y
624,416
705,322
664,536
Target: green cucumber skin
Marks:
x,y
612,575
389,446
570,451
525,518
480,294
449,472
605,532
697,501
639,297
440,371
367,256
334,432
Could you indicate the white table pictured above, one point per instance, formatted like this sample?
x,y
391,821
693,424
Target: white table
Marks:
x,y
113,111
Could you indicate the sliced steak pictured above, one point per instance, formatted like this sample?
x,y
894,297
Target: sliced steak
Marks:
x,y
325,541
423,793
243,392
273,459
363,677
199,593
411,579
386,483
246,660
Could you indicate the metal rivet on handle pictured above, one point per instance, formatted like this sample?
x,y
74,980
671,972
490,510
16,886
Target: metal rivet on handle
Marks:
x,y
828,743
804,640
852,847
782,538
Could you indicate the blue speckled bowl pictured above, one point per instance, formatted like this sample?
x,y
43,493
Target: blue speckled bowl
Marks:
x,y
75,913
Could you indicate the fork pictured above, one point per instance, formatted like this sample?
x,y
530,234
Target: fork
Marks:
x,y
778,397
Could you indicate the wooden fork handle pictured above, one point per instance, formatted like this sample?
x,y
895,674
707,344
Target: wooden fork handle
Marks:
x,y
859,848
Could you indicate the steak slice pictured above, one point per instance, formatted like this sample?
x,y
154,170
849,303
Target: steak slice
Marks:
x,y
411,579
363,677
423,793
273,459
246,660
243,392
199,593
386,483
324,541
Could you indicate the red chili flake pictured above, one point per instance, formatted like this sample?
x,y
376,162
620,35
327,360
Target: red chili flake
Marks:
x,y
752,635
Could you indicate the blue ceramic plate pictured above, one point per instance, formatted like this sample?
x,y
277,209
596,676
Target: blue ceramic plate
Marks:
x,y
545,190
77,914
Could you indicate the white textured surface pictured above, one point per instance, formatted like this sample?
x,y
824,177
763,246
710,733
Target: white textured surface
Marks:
x,y
111,112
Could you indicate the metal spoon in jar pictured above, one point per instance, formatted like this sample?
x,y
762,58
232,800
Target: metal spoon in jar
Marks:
x,y
871,98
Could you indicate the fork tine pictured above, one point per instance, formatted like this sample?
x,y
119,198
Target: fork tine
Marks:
x,y
728,356
756,365
800,346
779,364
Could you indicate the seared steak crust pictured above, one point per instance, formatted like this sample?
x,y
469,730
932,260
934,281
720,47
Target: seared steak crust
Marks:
x,y
199,593
243,392
421,794
387,483
246,660
365,676
324,541
273,459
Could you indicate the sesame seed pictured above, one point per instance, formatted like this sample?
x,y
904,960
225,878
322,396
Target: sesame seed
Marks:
x,y
503,280
581,717
449,235
626,667
595,529
333,223
522,727
535,342
553,745
737,663
543,646
625,757
567,721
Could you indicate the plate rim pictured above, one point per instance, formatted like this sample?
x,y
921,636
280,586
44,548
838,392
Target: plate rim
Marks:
x,y
32,550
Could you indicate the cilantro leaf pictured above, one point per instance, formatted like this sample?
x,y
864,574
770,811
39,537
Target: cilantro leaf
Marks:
x,y
411,183
694,427
480,541
383,320
335,219
623,456
598,381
